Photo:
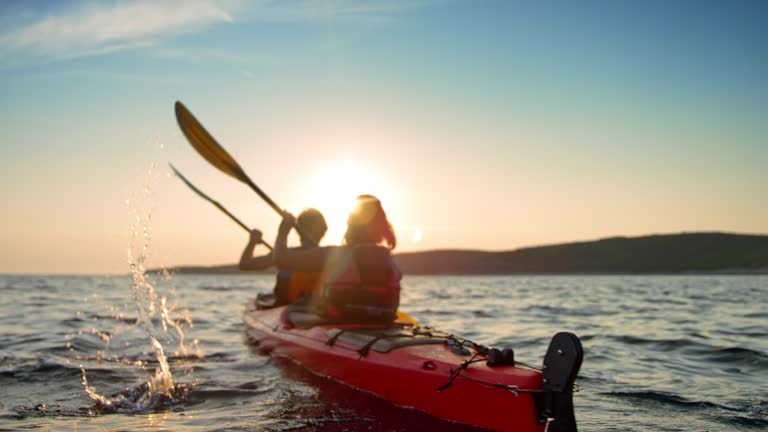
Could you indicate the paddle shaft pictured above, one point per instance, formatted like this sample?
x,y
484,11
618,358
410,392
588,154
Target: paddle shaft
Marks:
x,y
247,180
226,212
265,197
215,203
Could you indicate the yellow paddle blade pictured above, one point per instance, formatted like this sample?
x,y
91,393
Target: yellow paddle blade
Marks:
x,y
403,317
206,145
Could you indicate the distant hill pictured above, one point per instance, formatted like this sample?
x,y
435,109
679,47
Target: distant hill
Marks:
x,y
695,252
671,253
217,269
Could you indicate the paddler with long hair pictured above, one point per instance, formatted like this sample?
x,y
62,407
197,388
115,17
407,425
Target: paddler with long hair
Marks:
x,y
360,281
290,286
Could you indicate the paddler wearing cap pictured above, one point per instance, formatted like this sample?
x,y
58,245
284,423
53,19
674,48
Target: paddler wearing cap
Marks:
x,y
290,286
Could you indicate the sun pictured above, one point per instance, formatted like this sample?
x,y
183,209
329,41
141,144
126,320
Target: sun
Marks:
x,y
333,189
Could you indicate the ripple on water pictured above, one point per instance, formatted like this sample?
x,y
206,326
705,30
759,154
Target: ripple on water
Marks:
x,y
669,399
738,356
752,416
218,288
698,350
39,370
22,412
749,332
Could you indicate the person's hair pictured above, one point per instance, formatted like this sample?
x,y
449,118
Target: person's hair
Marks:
x,y
368,224
313,222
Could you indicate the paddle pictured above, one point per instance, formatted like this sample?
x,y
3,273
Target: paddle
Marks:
x,y
214,153
214,202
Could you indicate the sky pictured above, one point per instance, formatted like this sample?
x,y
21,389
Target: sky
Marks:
x,y
480,124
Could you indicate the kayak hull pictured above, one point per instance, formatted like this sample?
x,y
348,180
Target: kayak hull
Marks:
x,y
501,398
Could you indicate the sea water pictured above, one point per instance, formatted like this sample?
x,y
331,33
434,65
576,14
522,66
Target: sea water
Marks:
x,y
662,353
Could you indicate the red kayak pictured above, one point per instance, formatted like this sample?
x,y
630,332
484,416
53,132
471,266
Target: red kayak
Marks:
x,y
441,374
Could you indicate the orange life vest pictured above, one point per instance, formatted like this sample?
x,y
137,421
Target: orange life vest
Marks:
x,y
293,285
302,283
362,285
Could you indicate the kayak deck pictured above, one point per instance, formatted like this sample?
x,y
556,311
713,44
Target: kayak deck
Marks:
x,y
438,373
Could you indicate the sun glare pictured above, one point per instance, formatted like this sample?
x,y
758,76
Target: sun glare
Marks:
x,y
333,190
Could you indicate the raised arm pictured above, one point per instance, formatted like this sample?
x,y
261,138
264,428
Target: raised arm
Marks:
x,y
309,260
250,262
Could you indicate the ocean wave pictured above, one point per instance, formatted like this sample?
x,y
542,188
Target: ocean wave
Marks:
x,y
201,394
44,369
752,416
218,288
88,317
739,355
481,313
697,350
24,341
750,422
670,399
129,320
749,331
90,342
555,311
21,412
219,356
435,312
659,344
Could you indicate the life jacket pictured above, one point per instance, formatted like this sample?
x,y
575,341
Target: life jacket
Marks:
x,y
362,285
293,285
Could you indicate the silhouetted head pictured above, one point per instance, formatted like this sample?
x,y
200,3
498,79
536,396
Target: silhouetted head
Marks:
x,y
313,224
368,224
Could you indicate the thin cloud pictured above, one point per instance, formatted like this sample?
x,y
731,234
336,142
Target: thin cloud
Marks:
x,y
323,11
99,28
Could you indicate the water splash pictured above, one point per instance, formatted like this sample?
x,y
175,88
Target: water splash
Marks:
x,y
192,351
135,400
100,400
144,292
160,389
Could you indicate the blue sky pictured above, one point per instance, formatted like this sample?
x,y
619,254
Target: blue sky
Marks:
x,y
487,124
